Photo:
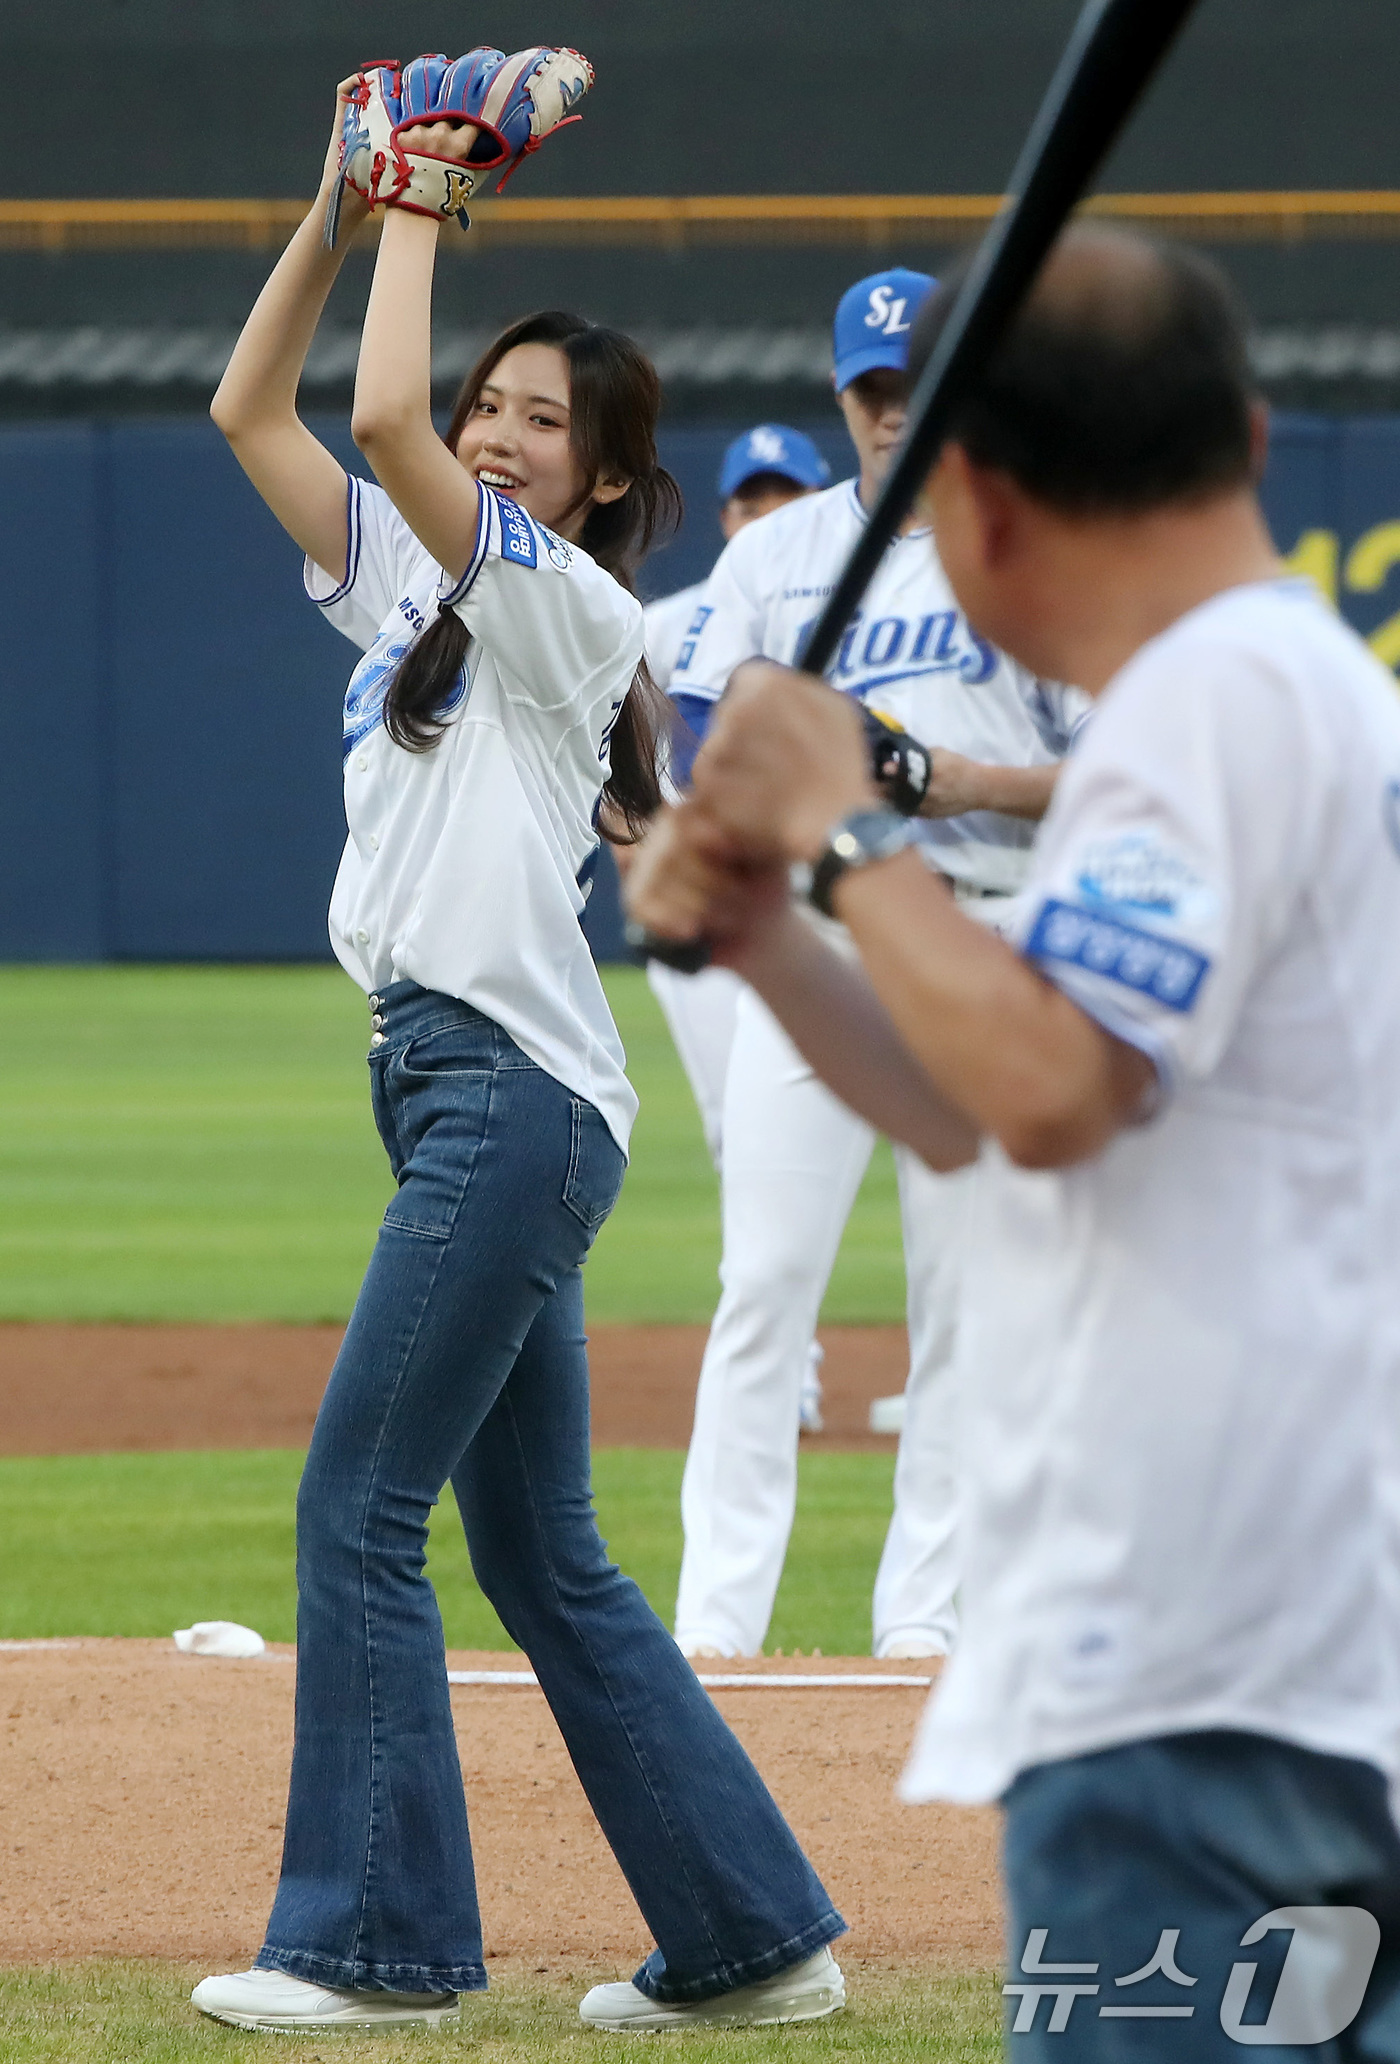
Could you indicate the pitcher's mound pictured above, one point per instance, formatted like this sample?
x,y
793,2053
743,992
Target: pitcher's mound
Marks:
x,y
142,1791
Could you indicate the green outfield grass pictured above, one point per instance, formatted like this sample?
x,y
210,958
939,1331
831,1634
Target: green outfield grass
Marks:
x,y
139,2013
195,1144
142,1544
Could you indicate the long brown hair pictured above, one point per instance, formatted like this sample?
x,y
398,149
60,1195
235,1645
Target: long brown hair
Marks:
x,y
614,401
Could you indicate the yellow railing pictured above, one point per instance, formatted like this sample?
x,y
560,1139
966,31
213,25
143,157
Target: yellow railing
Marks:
x,y
669,220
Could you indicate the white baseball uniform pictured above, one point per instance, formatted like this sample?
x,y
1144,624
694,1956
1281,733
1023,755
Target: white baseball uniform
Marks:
x,y
793,1155
667,622
699,1009
1180,1475
464,867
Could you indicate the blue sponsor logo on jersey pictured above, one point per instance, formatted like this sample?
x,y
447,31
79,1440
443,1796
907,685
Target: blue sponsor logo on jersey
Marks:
x,y
692,638
1139,872
517,533
1162,969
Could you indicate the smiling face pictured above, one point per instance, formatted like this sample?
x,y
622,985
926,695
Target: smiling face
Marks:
x,y
517,438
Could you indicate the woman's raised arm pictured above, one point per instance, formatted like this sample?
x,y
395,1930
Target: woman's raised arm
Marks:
x,y
255,405
393,421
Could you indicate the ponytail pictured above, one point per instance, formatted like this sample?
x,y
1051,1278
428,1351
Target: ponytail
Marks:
x,y
421,692
615,399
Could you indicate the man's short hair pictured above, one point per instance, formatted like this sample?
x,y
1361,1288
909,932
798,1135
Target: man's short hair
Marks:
x,y
1123,383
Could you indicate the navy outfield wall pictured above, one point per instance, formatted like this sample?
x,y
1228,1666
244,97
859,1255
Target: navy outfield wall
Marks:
x,y
170,778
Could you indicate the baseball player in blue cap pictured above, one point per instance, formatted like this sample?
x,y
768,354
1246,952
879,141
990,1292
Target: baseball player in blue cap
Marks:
x,y
793,1154
761,470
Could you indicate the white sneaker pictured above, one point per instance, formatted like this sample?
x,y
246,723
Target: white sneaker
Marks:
x,y
276,2001
699,1651
809,1410
906,1648
803,1993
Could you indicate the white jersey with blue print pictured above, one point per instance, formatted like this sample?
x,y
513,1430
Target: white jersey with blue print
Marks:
x,y
466,867
910,653
667,623
1180,1481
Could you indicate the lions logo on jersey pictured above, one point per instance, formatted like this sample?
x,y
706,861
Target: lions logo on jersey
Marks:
x,y
877,653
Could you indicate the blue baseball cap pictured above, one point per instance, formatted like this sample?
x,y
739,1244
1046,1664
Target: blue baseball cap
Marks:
x,y
772,448
873,321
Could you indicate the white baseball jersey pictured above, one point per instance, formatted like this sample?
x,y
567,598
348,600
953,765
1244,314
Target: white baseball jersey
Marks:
x,y
910,652
1179,1471
465,866
667,622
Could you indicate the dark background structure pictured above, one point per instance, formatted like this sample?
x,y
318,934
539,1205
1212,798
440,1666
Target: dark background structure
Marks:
x,y
911,96
170,782
233,100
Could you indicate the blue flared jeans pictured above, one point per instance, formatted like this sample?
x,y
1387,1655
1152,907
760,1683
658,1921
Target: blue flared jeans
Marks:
x,y
464,1361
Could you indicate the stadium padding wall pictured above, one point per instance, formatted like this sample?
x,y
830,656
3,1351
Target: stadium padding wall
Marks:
x,y
170,781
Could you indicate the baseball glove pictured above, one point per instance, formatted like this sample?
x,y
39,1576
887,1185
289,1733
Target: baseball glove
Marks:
x,y
901,766
513,102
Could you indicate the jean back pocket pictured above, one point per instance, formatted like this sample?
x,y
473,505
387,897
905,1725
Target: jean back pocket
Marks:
x,y
596,1165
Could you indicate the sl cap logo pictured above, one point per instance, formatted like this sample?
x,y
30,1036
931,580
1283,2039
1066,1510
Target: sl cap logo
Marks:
x,y
767,444
887,313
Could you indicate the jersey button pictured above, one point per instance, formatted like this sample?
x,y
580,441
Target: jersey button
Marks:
x,y
376,1039
361,762
374,842
363,936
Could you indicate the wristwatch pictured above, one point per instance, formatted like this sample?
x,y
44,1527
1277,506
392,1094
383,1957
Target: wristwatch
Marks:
x,y
857,841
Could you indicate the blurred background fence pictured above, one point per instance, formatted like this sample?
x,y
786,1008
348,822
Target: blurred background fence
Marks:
x,y
170,777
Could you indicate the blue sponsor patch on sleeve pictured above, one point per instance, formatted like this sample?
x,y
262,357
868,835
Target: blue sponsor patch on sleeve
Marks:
x,y
1162,969
517,533
692,638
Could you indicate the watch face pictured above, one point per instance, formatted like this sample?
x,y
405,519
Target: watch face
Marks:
x,y
876,833
865,836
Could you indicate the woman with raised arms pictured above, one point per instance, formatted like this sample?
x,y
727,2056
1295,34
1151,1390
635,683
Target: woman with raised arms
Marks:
x,y
500,704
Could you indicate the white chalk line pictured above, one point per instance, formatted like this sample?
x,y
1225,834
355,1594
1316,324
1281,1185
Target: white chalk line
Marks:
x,y
751,1680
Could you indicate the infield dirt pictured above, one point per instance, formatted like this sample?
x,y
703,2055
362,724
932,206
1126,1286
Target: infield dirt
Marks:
x,y
141,1792
141,1798
92,1389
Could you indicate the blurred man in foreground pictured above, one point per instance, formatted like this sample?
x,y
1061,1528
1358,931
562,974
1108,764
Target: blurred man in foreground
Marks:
x,y
1179,1669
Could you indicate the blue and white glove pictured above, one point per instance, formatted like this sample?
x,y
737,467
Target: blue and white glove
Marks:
x,y
513,102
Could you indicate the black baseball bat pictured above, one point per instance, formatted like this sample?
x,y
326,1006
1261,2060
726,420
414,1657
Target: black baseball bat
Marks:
x,y
1116,47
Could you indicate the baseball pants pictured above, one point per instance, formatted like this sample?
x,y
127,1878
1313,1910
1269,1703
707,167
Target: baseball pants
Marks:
x,y
794,1157
699,1011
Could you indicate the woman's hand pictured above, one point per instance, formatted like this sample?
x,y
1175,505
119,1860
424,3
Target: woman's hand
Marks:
x,y
440,139
353,205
